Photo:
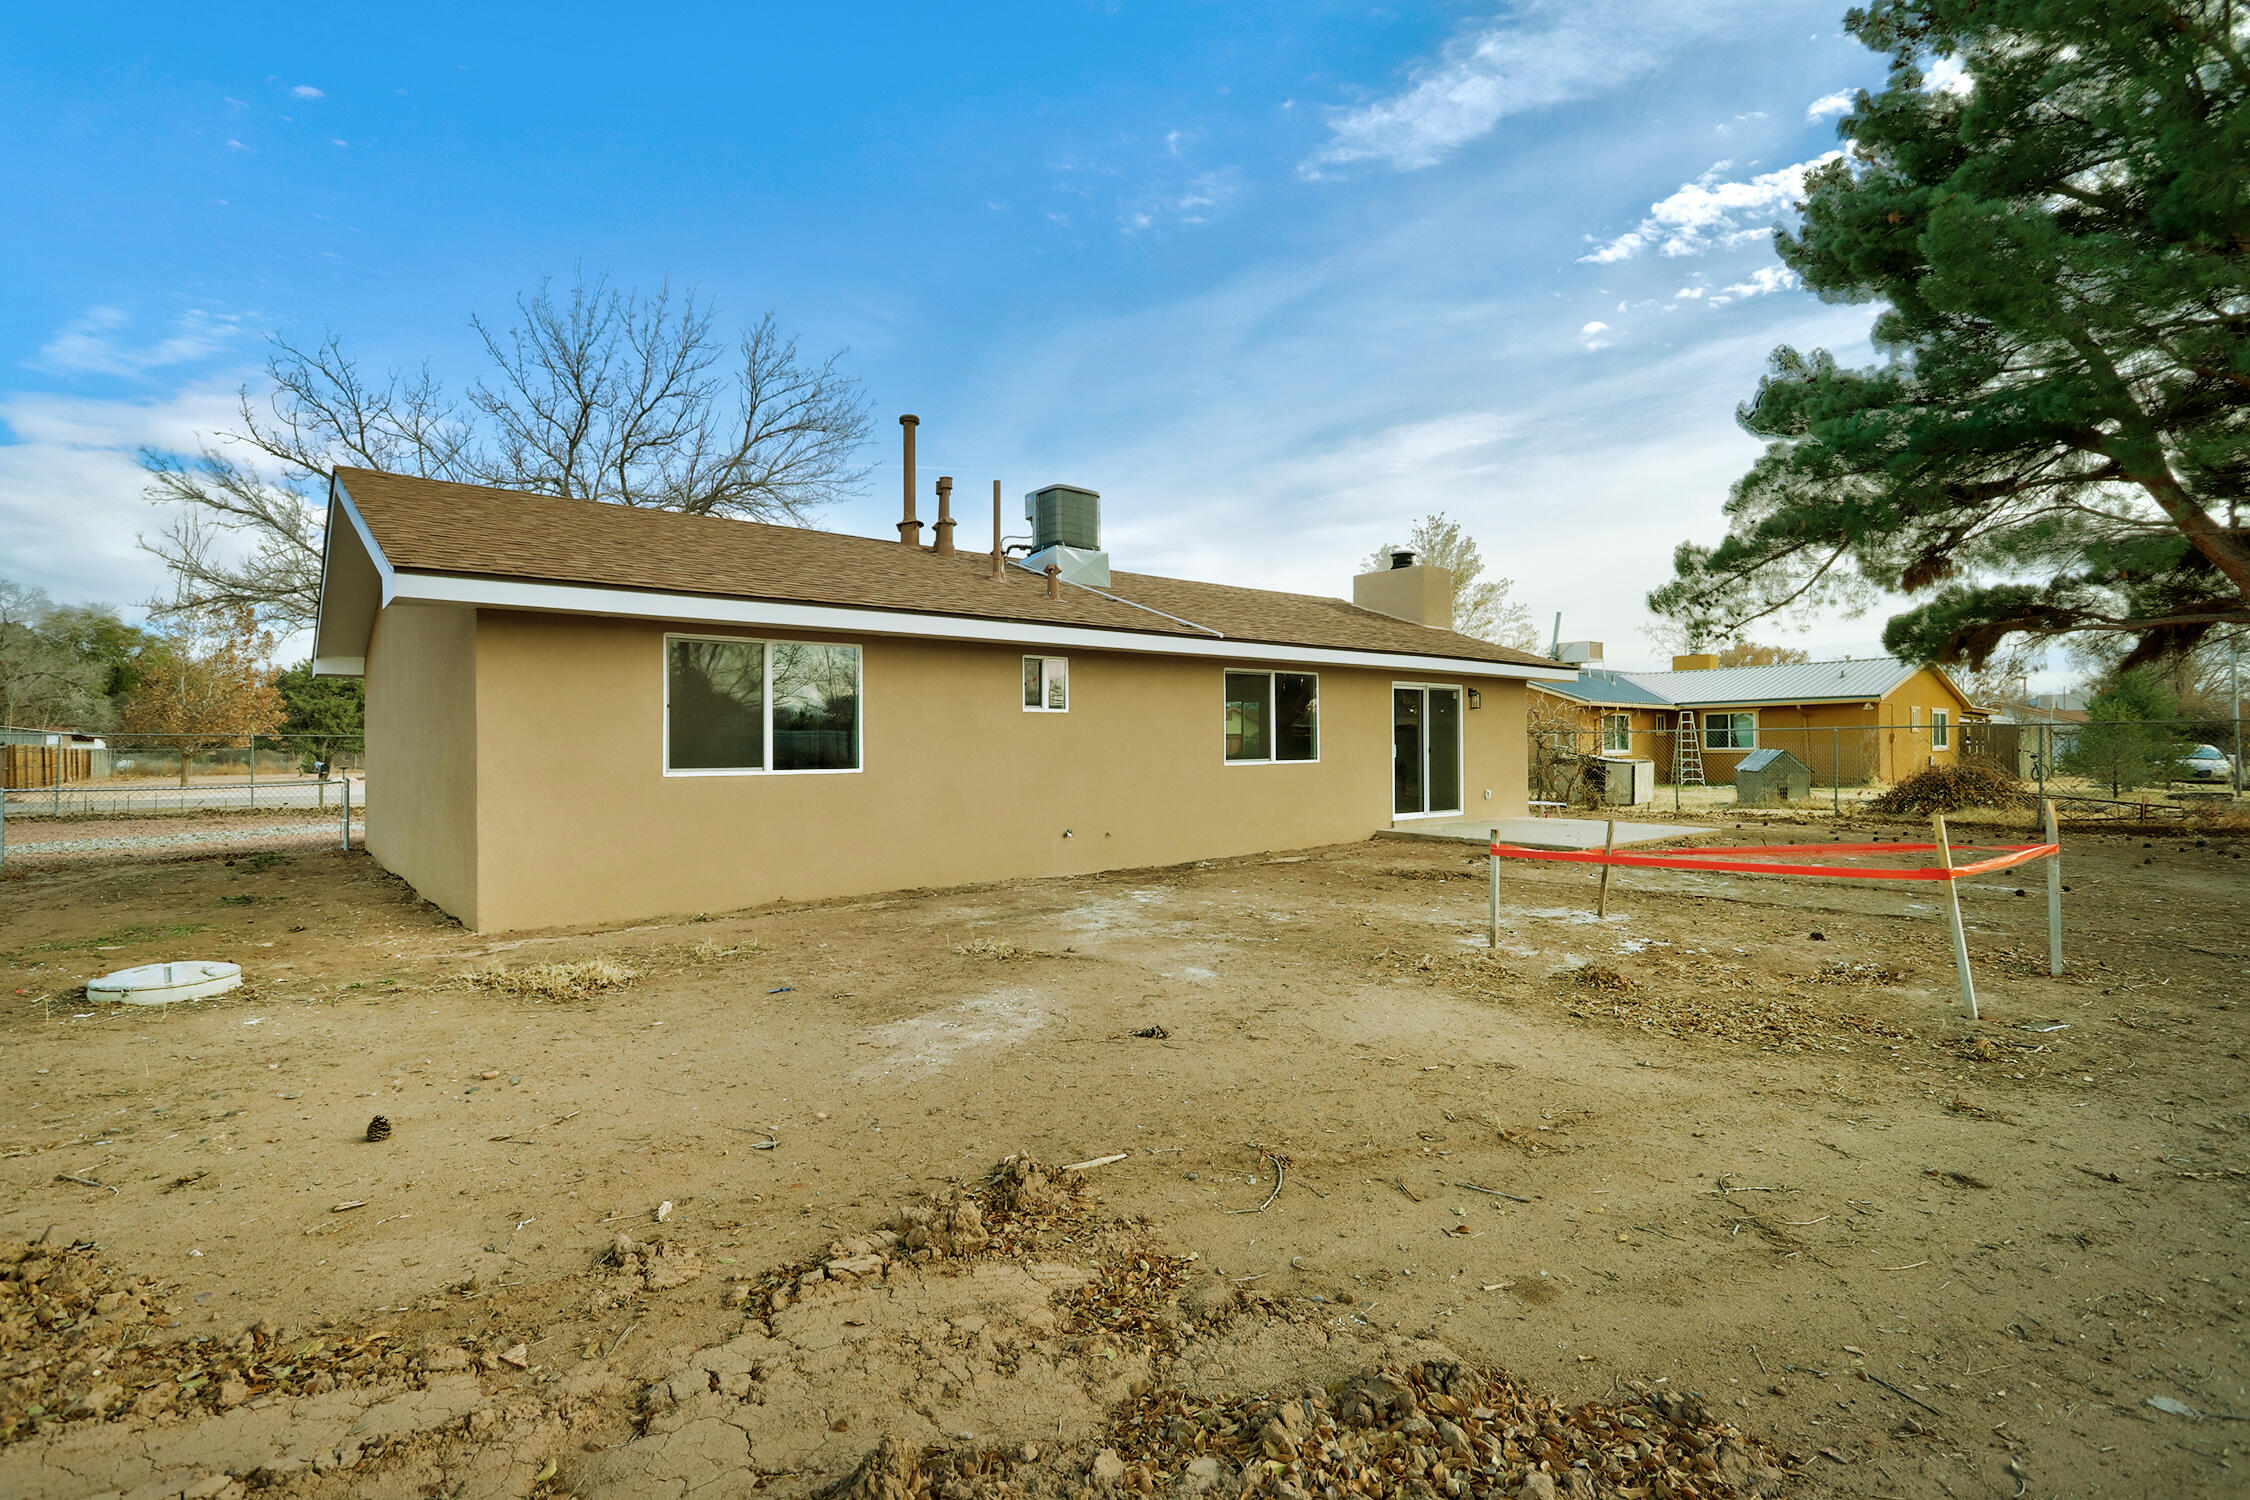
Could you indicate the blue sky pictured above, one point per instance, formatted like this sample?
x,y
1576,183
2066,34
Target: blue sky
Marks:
x,y
1274,279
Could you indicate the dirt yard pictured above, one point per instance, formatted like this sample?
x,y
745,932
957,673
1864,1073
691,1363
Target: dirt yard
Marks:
x,y
1714,1197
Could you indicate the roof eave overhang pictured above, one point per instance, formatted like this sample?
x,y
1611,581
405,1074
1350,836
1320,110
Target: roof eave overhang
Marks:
x,y
411,587
356,581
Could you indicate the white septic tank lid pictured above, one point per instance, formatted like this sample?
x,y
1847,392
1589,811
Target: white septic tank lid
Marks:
x,y
162,984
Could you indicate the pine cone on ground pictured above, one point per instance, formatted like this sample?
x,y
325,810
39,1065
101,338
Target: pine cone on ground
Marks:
x,y
379,1128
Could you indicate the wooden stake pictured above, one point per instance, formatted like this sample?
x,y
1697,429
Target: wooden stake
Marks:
x,y
2054,889
1953,909
1609,847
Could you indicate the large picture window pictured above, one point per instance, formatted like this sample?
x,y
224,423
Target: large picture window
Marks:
x,y
1730,731
1272,716
735,706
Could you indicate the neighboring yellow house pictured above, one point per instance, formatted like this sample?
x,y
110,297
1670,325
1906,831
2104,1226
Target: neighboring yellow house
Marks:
x,y
1857,720
579,712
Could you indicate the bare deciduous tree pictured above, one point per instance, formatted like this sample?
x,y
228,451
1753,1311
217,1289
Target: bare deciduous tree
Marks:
x,y
1481,606
596,394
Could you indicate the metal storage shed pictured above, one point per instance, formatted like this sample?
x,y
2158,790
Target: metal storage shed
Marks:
x,y
1771,775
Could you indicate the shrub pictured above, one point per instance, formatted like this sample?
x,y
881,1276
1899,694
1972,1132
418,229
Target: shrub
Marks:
x,y
1943,789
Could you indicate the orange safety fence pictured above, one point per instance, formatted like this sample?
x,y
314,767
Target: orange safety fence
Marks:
x,y
1732,860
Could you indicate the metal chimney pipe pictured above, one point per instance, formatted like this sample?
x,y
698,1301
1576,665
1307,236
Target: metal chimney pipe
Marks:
x,y
996,565
944,527
909,529
1054,580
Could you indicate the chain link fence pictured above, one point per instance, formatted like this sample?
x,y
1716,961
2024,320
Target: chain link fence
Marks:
x,y
2138,771
73,797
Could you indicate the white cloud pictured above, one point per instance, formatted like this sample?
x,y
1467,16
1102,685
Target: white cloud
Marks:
x,y
1547,52
1829,106
1710,212
1595,335
92,343
307,91
1761,281
1197,201
70,487
1948,75
236,146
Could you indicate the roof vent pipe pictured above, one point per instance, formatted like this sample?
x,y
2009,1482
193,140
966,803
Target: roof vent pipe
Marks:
x,y
1054,580
944,527
996,568
909,529
1403,557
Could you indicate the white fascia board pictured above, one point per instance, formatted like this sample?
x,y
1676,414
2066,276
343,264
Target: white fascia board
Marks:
x,y
581,599
348,607
383,569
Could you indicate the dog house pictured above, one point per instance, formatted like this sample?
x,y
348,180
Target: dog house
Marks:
x,y
1771,775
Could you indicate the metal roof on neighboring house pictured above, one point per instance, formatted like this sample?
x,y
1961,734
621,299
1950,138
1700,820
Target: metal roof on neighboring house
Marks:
x,y
1603,689
1855,680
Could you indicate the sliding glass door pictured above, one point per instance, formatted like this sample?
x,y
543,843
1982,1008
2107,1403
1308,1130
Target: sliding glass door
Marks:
x,y
1425,750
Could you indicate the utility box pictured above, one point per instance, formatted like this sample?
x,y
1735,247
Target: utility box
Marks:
x,y
1770,775
1625,783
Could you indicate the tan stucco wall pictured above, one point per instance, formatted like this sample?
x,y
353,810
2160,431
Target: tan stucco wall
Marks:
x,y
422,752
574,820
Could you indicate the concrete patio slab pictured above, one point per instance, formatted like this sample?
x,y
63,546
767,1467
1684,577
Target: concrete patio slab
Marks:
x,y
1541,833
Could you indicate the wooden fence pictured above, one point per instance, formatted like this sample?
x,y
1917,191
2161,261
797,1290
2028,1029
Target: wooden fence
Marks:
x,y
44,765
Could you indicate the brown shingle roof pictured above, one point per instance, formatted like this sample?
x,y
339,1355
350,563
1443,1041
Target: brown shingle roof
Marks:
x,y
434,526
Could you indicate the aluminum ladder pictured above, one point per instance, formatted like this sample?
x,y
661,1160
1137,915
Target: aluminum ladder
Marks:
x,y
1687,752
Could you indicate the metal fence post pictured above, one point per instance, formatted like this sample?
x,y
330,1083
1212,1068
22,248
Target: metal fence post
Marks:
x,y
347,805
1953,911
253,773
3,824
2054,889
1836,770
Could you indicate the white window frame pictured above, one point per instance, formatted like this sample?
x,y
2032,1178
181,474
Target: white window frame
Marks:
x,y
1941,729
1609,747
1733,718
1273,697
1046,683
859,709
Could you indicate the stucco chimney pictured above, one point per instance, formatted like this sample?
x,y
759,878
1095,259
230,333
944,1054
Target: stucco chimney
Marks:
x,y
1407,590
1696,661
909,529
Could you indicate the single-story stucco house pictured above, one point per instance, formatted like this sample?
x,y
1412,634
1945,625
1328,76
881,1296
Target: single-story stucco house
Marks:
x,y
581,712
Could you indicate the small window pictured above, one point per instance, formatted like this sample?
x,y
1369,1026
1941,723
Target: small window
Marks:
x,y
1941,729
1730,731
1272,716
1617,734
733,706
1046,684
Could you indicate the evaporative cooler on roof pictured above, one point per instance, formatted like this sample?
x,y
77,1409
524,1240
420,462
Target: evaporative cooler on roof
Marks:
x,y
1064,515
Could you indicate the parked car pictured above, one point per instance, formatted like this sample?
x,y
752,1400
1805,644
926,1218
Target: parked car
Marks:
x,y
2206,763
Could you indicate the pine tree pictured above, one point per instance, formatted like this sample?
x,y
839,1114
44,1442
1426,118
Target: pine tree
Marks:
x,y
2058,441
